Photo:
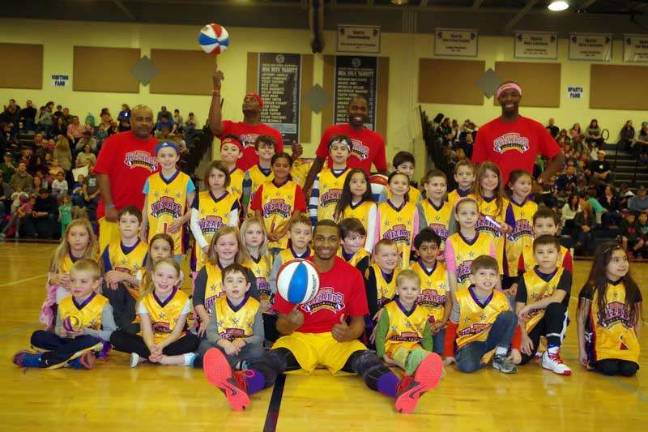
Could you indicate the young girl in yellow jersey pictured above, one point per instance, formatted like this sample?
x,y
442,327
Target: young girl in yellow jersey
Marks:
x,y
609,315
161,246
398,218
357,202
163,313
327,187
464,246
434,210
464,176
212,209
404,163
78,241
169,195
275,202
352,242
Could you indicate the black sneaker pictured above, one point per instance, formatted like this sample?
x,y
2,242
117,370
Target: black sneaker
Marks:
x,y
503,364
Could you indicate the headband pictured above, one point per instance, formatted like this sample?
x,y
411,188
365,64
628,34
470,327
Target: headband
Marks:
x,y
340,140
257,97
231,140
508,86
166,144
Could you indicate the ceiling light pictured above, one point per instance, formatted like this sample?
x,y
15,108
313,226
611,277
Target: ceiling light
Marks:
x,y
399,2
558,5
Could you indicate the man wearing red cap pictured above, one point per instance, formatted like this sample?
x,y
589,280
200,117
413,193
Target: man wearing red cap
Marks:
x,y
246,131
514,142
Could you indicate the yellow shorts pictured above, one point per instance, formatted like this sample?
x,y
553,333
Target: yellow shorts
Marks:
x,y
319,349
108,232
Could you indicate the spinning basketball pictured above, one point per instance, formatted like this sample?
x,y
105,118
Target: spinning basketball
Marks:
x,y
298,281
213,39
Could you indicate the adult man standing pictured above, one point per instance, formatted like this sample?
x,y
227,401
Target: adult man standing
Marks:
x,y
125,161
246,131
514,142
368,147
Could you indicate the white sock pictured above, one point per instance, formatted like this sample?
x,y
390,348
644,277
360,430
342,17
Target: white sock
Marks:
x,y
189,359
501,351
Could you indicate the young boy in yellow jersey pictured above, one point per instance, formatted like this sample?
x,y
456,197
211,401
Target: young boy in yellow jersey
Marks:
x,y
464,176
380,277
121,262
169,195
231,150
435,295
434,211
403,162
352,241
403,334
542,300
545,222
262,172
327,187
83,323
236,326
481,320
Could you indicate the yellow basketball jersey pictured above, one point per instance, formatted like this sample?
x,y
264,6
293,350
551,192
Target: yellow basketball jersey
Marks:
x,y
236,322
277,206
356,258
261,268
465,253
437,218
167,201
360,211
488,207
257,177
84,315
165,314
128,260
330,191
299,171
214,213
529,257
455,195
237,176
213,287
397,224
385,290
519,217
405,329
614,334
537,289
289,253
475,320
434,290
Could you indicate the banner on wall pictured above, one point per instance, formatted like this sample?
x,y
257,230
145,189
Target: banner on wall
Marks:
x,y
355,75
60,80
278,84
456,42
575,92
358,39
635,48
536,45
590,46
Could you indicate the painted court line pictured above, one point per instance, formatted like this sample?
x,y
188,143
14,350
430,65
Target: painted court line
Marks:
x,y
22,280
275,403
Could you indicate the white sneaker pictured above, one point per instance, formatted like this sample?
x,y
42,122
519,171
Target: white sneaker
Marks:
x,y
135,359
553,362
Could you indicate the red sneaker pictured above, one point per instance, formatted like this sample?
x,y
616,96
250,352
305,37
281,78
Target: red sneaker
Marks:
x,y
219,373
426,377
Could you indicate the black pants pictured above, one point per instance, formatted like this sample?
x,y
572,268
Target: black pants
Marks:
x,y
270,327
60,349
132,343
553,326
616,367
41,227
123,305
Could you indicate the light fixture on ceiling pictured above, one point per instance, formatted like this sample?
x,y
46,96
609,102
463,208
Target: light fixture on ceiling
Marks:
x,y
558,5
400,2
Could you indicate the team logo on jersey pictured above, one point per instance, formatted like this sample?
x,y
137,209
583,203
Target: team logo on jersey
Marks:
x,y
406,336
330,196
485,225
166,205
360,150
473,329
210,224
141,159
463,271
441,230
276,206
511,141
522,228
615,312
398,233
326,299
232,333
211,301
161,327
430,297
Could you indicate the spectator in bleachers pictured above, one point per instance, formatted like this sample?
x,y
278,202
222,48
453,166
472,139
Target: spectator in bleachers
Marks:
x,y
191,122
584,222
630,236
28,116
22,181
86,158
599,171
44,120
7,167
639,202
5,200
178,121
62,153
593,134
59,127
55,169
90,192
43,221
11,116
21,211
124,114
627,136
75,130
59,185
568,212
552,128
641,144
86,140
609,199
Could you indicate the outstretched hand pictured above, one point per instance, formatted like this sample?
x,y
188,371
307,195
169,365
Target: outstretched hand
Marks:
x,y
217,78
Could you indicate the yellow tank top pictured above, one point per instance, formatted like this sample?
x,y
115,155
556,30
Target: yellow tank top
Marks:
x,y
437,218
385,290
165,314
360,211
488,207
434,290
167,201
128,260
475,320
397,224
213,287
278,205
261,268
214,213
406,330
236,322
465,253
537,289
356,258
84,315
520,218
330,191
237,176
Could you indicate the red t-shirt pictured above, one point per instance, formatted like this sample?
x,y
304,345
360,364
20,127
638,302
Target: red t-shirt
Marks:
x,y
368,147
127,161
341,292
299,203
247,134
513,145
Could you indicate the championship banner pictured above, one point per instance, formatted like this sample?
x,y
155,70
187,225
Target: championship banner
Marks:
x,y
355,75
455,42
590,46
635,48
536,45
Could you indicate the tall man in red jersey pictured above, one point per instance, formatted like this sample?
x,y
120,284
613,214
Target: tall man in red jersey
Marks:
x,y
514,142
125,161
246,131
323,333
367,146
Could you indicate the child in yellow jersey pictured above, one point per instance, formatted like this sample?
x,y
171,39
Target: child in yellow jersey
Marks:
x,y
464,176
276,201
380,277
398,219
464,246
161,246
169,195
609,314
435,295
237,327
121,262
357,202
212,209
434,211
77,242
327,187
300,234
83,324
481,320
262,172
542,300
404,163
352,241
545,222
301,166
403,335
163,312
231,150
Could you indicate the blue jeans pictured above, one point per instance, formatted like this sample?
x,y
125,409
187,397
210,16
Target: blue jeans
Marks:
x,y
60,349
500,335
438,342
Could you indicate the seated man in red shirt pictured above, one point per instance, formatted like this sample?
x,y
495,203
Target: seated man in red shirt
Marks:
x,y
318,334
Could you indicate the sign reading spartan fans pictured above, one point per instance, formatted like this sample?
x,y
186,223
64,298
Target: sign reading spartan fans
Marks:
x,y
635,48
536,45
590,46
455,42
355,75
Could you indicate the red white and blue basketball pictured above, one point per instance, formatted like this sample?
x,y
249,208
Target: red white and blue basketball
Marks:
x,y
298,281
213,39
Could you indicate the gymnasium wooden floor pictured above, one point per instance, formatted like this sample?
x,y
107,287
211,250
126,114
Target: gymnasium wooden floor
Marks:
x,y
113,396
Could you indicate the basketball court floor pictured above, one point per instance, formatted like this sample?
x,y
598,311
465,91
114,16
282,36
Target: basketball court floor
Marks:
x,y
115,397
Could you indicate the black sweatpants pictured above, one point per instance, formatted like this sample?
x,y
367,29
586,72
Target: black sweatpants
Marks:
x,y
553,326
60,349
131,343
616,367
123,305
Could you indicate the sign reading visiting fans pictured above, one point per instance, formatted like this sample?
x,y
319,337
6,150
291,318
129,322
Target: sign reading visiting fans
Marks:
x,y
455,42
536,45
278,84
355,75
590,47
358,39
635,48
